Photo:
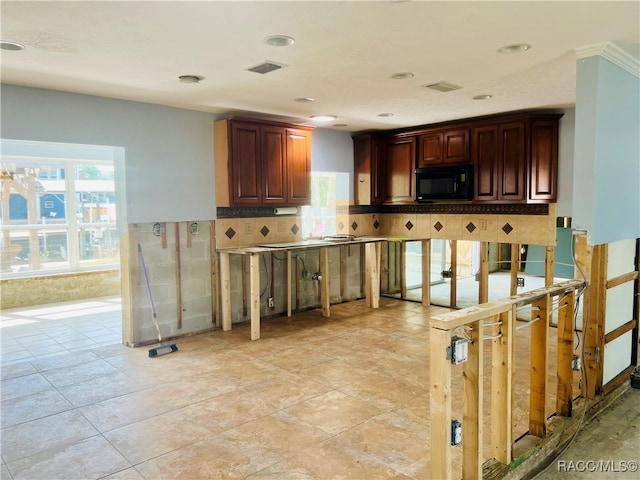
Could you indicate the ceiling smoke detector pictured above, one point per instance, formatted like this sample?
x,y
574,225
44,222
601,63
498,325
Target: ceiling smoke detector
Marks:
x,y
266,67
443,86
279,40
189,78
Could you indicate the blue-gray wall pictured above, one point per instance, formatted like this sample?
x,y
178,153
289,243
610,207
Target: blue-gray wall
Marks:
x,y
606,191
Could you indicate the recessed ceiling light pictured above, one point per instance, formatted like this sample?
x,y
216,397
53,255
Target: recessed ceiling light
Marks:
x,y
279,40
402,76
190,78
341,125
482,97
515,48
385,114
323,118
7,45
303,99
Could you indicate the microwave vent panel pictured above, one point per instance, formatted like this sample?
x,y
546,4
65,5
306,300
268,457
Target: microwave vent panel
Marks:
x,y
443,86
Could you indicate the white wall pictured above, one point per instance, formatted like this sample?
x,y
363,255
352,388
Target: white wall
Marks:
x,y
606,190
169,171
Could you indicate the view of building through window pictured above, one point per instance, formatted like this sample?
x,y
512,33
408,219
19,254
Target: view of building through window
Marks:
x,y
328,191
57,215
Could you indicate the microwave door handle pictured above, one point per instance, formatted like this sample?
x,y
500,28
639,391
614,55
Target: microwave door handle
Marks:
x,y
455,187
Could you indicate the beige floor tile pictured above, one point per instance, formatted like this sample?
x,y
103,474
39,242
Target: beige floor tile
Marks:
x,y
387,393
23,385
156,436
336,373
102,388
87,459
30,407
286,391
39,435
127,474
75,374
333,412
215,458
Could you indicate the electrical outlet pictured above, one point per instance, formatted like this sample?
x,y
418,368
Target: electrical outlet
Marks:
x,y
270,303
576,363
456,432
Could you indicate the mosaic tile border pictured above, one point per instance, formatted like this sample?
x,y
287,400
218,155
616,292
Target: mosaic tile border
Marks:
x,y
246,212
464,208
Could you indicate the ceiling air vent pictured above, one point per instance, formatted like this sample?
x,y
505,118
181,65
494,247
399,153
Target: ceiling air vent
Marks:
x,y
443,86
266,67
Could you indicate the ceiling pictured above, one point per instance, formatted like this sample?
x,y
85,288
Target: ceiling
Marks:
x,y
343,56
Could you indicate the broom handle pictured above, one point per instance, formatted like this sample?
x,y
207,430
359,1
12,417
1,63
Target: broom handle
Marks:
x,y
146,281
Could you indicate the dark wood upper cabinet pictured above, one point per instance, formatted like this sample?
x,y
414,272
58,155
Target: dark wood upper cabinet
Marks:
x,y
485,161
511,172
543,181
246,175
443,147
266,163
298,166
369,169
400,170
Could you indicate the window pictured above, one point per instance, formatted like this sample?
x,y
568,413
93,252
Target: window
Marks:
x,y
328,191
57,216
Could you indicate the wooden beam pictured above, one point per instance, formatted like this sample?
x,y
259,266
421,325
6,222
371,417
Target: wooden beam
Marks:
x,y
564,392
483,274
627,277
594,333
289,283
549,265
538,375
502,386
225,290
426,273
515,262
472,408
372,266
621,330
453,294
403,270
324,282
440,404
254,287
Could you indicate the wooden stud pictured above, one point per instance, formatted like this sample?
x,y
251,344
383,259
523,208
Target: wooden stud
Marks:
x,y
594,330
189,234
538,382
215,276
178,277
129,276
163,228
225,290
288,283
403,270
254,287
502,386
325,299
515,263
344,250
483,274
564,393
243,276
549,265
472,407
372,267
426,273
440,404
453,293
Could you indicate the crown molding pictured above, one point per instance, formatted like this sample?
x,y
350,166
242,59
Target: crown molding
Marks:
x,y
614,54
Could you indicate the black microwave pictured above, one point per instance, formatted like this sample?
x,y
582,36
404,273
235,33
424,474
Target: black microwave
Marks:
x,y
452,182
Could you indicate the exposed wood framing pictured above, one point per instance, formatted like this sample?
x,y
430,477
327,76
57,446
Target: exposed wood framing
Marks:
x,y
514,268
621,330
254,285
483,274
538,377
403,270
453,293
627,277
289,274
502,361
472,408
549,265
324,281
440,403
594,331
225,290
215,275
426,273
564,393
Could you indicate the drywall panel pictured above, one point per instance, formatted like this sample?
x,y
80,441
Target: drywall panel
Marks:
x,y
606,179
618,306
620,258
168,168
617,357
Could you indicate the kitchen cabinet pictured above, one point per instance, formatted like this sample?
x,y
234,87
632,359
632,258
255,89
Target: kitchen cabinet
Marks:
x,y
264,163
400,161
516,161
443,147
369,169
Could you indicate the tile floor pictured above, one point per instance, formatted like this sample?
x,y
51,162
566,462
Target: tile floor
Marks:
x,y
314,398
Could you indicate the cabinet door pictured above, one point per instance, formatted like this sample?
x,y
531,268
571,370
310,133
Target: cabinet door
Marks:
x,y
245,181
298,166
378,171
274,165
485,156
544,161
430,149
455,148
400,170
512,162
